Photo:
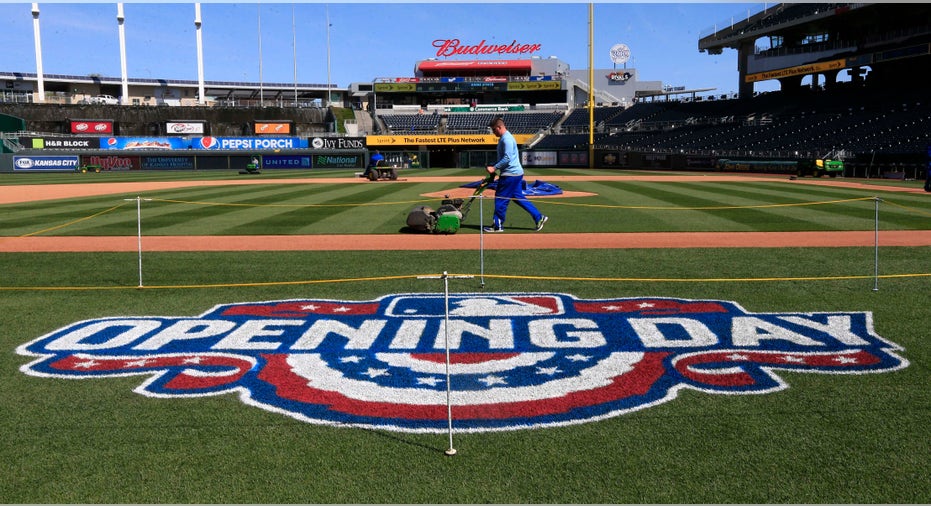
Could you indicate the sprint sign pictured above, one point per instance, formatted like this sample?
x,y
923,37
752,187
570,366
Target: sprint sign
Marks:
x,y
516,360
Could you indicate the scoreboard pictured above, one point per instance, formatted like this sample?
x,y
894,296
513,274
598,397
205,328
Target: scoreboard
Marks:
x,y
450,87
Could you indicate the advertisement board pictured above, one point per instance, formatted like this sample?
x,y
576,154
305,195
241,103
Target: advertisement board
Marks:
x,y
145,143
611,159
437,140
247,143
167,162
272,128
113,162
340,161
44,163
535,86
531,158
337,143
573,158
91,126
394,87
60,142
185,128
286,162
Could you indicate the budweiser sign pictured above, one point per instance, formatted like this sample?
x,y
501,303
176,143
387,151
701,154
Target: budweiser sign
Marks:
x,y
453,47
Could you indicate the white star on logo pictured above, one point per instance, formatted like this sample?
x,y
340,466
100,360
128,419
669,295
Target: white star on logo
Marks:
x,y
310,307
87,364
610,308
846,360
142,362
643,305
794,359
374,373
429,380
736,356
578,358
491,379
549,371
192,360
341,309
352,359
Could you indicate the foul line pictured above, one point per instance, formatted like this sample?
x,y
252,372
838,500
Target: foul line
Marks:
x,y
50,229
919,211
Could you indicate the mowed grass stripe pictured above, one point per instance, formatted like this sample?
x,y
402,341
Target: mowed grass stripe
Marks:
x,y
166,218
256,209
381,210
825,204
27,218
259,211
32,218
668,207
715,208
217,214
295,208
615,207
799,210
297,211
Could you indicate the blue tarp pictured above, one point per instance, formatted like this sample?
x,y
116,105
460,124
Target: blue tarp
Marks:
x,y
531,190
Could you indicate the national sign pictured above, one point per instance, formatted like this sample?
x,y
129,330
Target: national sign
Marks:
x,y
513,360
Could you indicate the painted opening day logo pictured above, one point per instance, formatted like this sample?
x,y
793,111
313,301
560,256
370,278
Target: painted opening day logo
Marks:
x,y
516,360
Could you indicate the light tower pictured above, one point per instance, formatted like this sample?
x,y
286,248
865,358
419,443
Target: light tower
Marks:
x,y
124,78
40,79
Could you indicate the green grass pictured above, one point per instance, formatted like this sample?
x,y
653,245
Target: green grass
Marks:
x,y
321,208
827,438
97,441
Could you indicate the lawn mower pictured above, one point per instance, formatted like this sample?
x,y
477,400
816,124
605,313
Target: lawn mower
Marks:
x,y
447,218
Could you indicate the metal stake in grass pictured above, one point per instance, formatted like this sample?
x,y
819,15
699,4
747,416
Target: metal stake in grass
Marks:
x,y
481,239
877,200
449,406
139,232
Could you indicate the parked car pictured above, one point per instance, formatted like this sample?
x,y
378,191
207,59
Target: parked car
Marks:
x,y
101,99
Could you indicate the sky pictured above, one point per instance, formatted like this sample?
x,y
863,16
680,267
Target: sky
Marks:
x,y
272,42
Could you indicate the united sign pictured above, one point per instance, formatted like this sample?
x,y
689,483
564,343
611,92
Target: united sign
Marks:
x,y
513,360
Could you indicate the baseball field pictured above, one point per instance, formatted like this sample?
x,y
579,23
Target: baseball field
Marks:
x,y
115,289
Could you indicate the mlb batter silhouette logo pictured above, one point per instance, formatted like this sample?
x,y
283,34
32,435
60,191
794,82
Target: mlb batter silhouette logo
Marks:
x,y
516,360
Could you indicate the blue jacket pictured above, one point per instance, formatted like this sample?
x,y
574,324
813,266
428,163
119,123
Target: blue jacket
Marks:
x,y
508,157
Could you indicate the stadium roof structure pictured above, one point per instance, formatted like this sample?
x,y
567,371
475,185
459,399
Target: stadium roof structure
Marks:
x,y
790,41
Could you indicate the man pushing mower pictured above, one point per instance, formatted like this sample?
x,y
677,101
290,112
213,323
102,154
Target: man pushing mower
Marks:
x,y
448,218
510,181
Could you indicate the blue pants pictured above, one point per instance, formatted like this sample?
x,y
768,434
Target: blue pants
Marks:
x,y
512,188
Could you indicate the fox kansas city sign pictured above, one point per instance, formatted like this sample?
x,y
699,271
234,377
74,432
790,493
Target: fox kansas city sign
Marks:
x,y
516,360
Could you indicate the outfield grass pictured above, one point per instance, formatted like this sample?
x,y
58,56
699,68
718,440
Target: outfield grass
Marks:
x,y
320,208
827,438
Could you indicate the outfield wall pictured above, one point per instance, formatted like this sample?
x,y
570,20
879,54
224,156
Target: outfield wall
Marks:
x,y
135,161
